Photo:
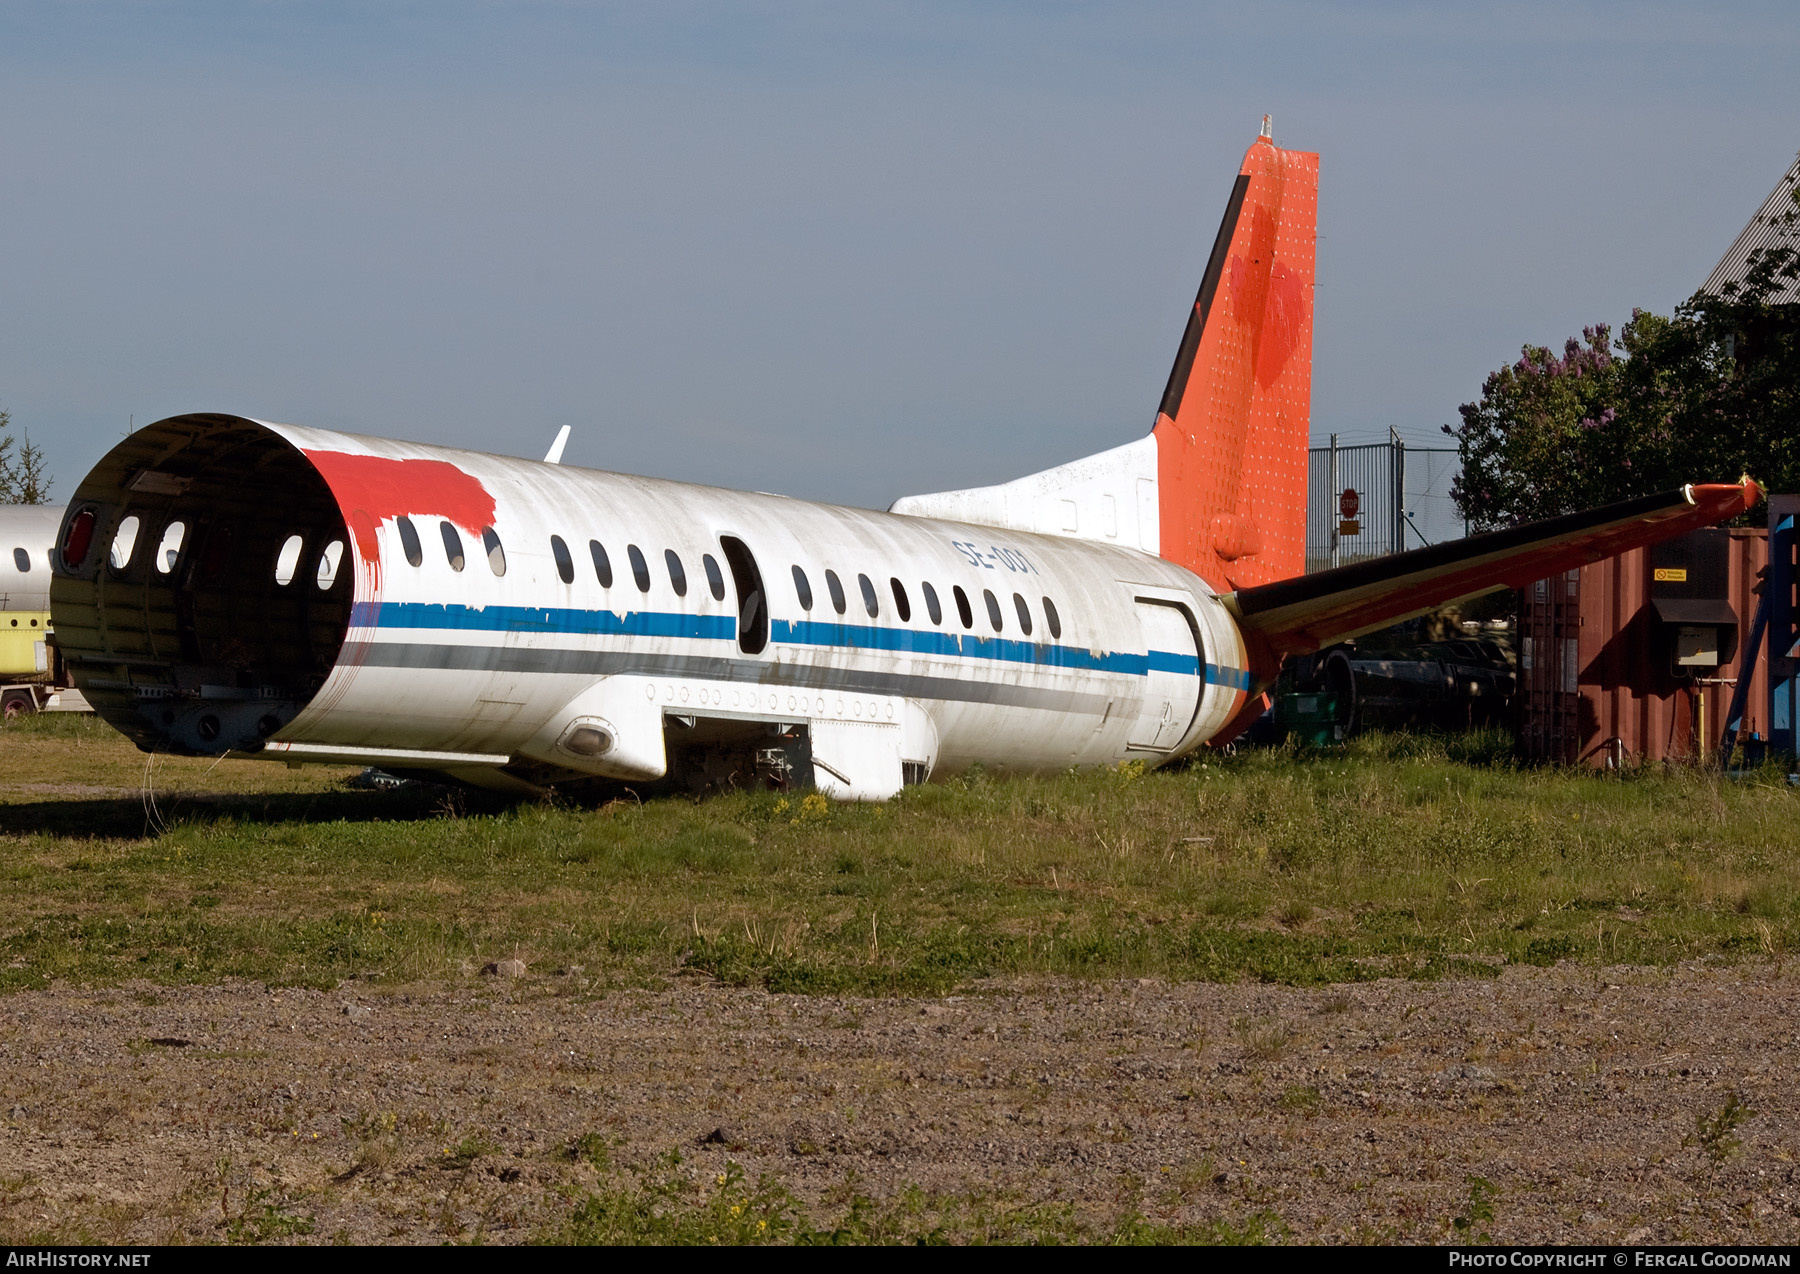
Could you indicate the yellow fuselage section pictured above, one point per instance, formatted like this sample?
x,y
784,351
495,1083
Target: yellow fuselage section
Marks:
x,y
23,653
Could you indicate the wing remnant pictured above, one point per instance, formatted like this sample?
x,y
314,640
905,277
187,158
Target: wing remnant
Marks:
x,y
1309,612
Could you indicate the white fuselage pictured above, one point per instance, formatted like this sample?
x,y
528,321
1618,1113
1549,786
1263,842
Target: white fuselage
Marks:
x,y
473,662
940,644
26,533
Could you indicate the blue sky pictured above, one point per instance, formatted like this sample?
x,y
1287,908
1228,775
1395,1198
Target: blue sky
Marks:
x,y
843,252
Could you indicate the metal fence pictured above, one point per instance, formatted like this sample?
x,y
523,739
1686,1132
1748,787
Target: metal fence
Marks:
x,y
1401,501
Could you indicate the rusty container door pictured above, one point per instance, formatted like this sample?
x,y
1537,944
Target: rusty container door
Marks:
x,y
1631,708
1548,699
1596,682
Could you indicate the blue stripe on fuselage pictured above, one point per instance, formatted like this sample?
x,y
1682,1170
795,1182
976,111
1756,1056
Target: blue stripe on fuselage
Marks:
x,y
540,619
812,632
1230,678
454,617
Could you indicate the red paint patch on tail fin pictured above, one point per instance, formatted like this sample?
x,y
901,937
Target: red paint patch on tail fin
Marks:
x,y
1232,433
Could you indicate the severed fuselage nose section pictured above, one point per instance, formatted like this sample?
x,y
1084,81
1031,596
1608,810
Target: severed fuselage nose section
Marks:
x,y
203,585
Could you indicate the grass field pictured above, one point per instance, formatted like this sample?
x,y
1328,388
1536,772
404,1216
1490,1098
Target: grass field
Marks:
x,y
1393,857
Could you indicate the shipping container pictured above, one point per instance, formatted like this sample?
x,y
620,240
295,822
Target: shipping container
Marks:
x,y
1634,658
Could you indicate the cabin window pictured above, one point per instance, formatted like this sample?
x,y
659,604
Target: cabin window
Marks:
x,y
1052,618
836,589
565,565
287,562
715,582
169,551
901,603
453,550
993,607
602,563
802,589
78,539
871,603
640,569
22,560
931,602
495,554
409,541
962,606
123,546
329,561
1024,612
677,575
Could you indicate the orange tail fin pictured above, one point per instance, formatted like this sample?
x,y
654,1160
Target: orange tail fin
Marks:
x,y
1232,432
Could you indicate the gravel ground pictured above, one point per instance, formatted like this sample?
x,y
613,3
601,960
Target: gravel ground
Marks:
x,y
1352,1113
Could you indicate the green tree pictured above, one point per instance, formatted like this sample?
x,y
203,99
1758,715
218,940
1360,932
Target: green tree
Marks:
x,y
23,477
1705,395
1537,442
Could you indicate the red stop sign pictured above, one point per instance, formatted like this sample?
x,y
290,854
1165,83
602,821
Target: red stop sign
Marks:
x,y
1349,503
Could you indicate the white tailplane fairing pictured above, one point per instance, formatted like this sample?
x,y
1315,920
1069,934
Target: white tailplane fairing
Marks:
x,y
1110,498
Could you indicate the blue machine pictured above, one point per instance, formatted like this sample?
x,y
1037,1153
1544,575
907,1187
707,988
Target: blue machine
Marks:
x,y
1775,632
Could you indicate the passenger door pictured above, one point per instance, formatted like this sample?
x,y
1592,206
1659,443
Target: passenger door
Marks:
x,y
752,598
1174,682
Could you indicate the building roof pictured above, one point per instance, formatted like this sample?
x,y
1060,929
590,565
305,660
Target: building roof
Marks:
x,y
1772,226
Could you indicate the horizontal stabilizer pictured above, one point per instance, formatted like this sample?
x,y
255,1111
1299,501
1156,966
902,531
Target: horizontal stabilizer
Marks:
x,y
1310,612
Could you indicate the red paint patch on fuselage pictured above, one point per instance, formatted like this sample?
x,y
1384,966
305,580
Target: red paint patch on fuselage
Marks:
x,y
385,488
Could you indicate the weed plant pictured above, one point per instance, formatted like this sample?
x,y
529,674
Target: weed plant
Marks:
x,y
1394,856
1716,1132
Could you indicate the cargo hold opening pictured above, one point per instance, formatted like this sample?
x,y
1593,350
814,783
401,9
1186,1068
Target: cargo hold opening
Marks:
x,y
203,585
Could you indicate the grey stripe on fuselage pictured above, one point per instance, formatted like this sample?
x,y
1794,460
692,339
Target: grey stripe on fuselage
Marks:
x,y
613,663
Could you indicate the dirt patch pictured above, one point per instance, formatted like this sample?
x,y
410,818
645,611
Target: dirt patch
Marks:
x,y
1553,1105
68,789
